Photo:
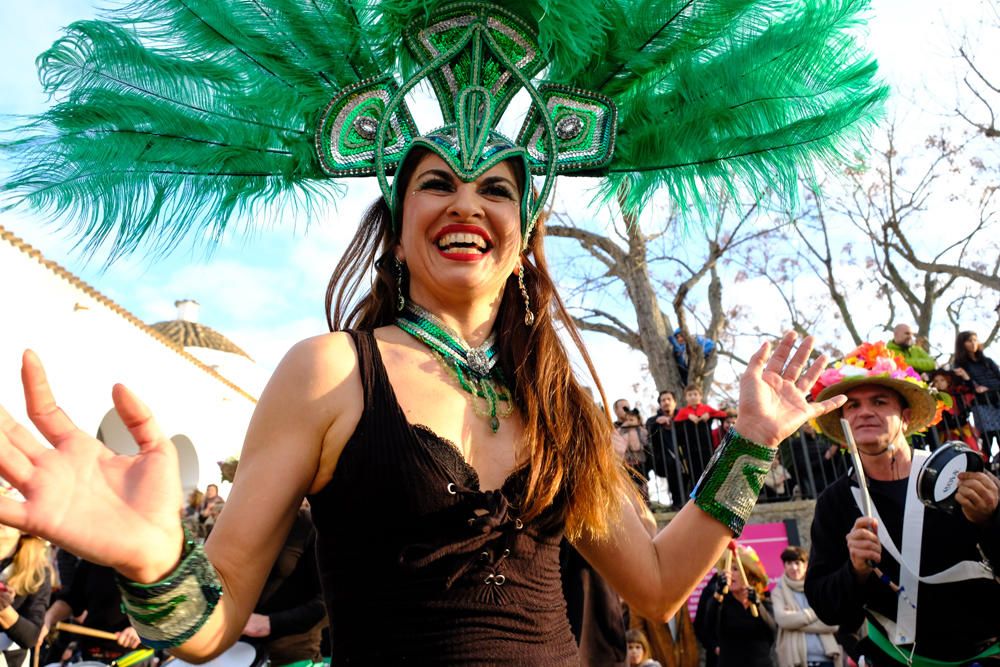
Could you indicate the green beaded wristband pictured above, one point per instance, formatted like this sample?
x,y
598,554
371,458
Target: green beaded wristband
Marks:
x,y
168,612
730,485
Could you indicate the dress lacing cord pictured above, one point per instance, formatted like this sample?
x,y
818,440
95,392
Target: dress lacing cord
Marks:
x,y
491,518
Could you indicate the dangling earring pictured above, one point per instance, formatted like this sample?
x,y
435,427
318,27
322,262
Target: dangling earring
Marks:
x,y
400,301
529,317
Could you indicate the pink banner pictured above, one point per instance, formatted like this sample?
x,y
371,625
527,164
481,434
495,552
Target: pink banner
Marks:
x,y
768,540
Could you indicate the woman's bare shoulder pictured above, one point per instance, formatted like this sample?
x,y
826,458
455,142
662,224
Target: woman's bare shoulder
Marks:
x,y
321,372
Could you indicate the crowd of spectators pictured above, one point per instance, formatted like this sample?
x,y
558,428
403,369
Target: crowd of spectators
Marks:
x,y
668,451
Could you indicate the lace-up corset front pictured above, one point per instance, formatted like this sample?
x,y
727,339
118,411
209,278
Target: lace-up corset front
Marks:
x,y
421,566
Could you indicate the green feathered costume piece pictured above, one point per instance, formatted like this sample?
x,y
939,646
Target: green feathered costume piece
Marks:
x,y
173,117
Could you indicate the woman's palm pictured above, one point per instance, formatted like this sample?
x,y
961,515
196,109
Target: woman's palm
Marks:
x,y
115,510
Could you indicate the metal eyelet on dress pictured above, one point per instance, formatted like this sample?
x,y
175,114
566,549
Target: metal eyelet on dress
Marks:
x,y
506,552
490,578
484,555
518,524
452,488
499,580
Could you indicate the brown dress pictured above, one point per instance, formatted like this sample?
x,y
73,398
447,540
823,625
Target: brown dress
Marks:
x,y
420,566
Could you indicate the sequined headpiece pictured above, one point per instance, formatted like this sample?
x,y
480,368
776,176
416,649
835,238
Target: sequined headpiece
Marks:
x,y
175,115
476,56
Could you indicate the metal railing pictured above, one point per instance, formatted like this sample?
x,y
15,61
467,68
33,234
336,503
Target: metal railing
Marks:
x,y
806,463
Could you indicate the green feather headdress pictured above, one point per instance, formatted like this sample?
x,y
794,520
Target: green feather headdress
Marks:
x,y
179,115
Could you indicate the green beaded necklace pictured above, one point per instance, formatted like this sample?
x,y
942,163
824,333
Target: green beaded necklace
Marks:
x,y
474,367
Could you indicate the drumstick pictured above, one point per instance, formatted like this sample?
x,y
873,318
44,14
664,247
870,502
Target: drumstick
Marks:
x,y
90,632
866,499
729,568
746,582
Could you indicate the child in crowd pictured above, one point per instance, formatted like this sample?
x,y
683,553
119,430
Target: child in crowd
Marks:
x,y
954,423
696,411
692,425
638,650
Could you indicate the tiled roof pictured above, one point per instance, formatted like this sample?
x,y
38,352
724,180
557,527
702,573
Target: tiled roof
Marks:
x,y
193,334
79,284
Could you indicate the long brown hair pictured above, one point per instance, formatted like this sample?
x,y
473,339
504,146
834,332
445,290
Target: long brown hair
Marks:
x,y
31,566
963,356
567,438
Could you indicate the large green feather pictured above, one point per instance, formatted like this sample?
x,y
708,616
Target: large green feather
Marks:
x,y
173,116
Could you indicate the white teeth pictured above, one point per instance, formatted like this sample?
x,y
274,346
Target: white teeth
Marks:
x,y
461,238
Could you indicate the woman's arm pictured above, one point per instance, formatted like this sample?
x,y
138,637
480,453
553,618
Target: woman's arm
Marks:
x,y
655,576
24,624
305,416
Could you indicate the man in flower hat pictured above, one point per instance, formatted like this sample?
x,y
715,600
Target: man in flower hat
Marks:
x,y
922,578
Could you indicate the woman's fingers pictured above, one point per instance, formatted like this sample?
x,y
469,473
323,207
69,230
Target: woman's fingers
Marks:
x,y
14,465
777,362
799,359
757,360
829,405
137,419
808,379
43,412
13,513
19,437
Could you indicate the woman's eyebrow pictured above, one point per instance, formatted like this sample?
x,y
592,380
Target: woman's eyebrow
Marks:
x,y
440,173
495,179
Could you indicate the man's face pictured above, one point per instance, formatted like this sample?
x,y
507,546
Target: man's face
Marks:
x,y
903,335
668,404
692,397
876,416
621,405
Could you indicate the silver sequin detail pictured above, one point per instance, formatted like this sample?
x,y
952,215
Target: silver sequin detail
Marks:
x,y
465,21
590,152
568,127
478,362
366,126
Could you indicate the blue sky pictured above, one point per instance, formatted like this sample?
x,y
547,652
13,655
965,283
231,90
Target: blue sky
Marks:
x,y
265,290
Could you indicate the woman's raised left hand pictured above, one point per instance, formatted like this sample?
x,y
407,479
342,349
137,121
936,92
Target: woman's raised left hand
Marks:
x,y
774,388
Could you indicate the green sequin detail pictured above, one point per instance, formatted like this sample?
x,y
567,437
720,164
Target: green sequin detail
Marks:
x,y
474,368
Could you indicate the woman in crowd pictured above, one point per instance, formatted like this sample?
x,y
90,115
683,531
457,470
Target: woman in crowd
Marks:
x,y
744,628
639,654
25,587
803,640
983,374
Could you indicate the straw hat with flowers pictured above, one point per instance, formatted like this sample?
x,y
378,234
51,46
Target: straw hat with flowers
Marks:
x,y
874,363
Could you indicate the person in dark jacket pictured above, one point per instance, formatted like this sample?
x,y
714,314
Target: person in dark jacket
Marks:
x,y
25,586
984,376
667,461
743,628
922,578
289,618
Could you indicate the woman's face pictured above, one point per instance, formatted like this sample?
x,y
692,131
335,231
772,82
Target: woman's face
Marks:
x,y
736,585
795,570
972,344
459,240
635,654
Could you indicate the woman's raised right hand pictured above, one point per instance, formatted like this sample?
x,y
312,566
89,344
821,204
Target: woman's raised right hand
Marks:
x,y
115,510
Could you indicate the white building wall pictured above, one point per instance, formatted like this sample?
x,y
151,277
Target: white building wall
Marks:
x,y
87,347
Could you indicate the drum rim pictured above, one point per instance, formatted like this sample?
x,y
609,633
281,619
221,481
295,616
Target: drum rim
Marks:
x,y
953,447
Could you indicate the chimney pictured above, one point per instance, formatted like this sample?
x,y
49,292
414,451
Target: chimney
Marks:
x,y
187,310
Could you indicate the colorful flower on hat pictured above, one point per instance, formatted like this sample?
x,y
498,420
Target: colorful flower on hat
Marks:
x,y
875,360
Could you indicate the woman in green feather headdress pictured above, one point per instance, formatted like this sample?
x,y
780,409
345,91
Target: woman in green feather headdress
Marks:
x,y
440,431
